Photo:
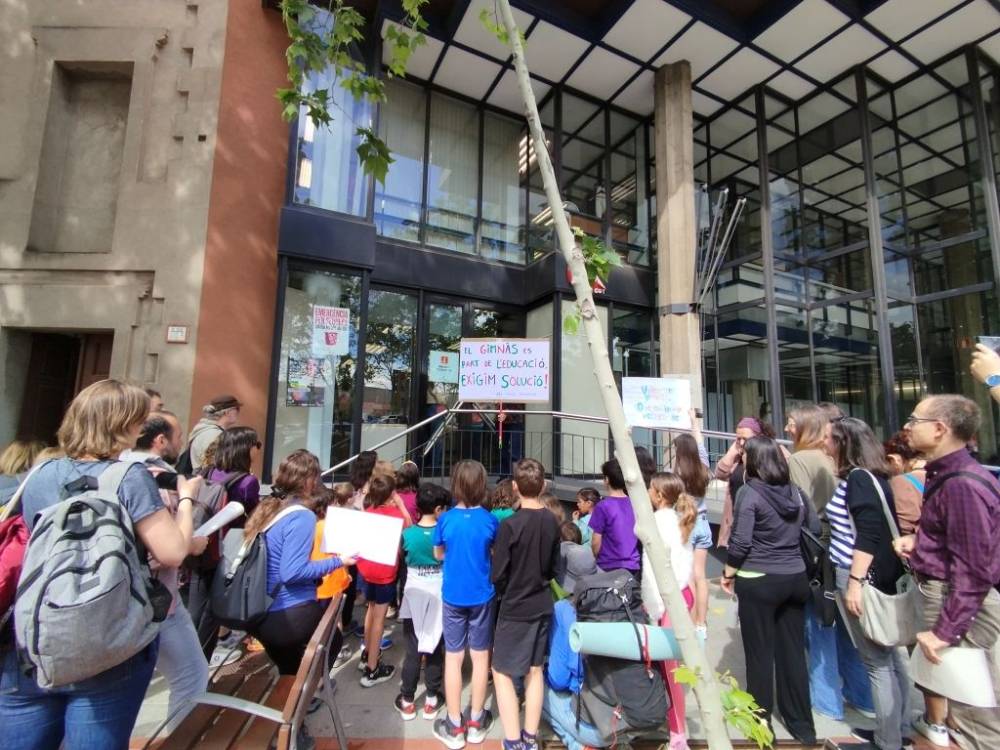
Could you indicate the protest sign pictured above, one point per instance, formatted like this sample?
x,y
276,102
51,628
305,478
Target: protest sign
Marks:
x,y
370,536
512,370
330,331
660,403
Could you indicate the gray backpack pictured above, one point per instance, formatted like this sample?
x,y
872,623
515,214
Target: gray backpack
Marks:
x,y
86,601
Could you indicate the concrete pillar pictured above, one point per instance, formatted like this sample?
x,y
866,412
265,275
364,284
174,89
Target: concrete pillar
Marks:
x,y
680,333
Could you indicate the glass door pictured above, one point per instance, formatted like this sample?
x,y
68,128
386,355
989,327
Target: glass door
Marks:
x,y
390,357
440,389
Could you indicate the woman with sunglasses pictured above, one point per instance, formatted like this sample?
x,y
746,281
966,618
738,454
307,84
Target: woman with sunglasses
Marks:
x,y
234,453
861,550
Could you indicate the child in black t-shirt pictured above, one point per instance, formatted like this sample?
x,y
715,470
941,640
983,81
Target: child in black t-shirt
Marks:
x,y
525,559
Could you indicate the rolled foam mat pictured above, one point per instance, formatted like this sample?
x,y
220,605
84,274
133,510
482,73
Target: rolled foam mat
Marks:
x,y
618,639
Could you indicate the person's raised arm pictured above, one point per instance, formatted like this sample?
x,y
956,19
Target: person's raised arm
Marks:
x,y
986,362
166,537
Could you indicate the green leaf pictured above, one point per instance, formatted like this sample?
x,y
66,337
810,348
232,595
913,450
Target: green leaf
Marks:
x,y
684,675
571,323
373,154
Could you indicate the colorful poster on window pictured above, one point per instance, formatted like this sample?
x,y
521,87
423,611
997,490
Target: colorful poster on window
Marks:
x,y
443,367
511,370
307,379
331,331
660,403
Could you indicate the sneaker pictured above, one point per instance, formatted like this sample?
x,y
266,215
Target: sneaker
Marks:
x,y
381,673
407,709
453,737
936,733
476,730
363,661
868,736
432,706
386,643
392,613
529,741
513,745
224,657
344,656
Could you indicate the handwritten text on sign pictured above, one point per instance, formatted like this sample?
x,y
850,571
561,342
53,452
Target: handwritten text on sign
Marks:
x,y
504,370
657,402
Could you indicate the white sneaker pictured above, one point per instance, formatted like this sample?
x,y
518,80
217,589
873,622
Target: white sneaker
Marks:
x,y
936,733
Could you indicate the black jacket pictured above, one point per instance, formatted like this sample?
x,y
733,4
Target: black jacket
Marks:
x,y
767,523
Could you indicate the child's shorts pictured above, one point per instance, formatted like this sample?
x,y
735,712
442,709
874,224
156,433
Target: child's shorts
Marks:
x,y
518,646
468,626
378,593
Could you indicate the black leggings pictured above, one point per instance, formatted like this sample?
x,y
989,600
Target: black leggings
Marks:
x,y
433,666
286,633
347,613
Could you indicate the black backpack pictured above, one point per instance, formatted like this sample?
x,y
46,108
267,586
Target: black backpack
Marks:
x,y
609,596
626,695
822,579
240,597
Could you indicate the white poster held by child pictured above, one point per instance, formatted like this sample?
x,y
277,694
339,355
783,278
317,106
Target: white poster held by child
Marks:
x,y
660,403
367,535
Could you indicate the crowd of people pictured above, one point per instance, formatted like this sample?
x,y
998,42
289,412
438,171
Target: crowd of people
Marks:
x,y
498,572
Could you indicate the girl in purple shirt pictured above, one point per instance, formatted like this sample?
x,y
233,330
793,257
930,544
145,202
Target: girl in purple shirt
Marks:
x,y
613,522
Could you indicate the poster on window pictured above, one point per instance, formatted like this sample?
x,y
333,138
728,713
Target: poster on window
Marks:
x,y
331,331
660,403
443,367
512,370
307,380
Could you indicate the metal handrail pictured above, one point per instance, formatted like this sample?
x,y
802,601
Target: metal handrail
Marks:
x,y
714,434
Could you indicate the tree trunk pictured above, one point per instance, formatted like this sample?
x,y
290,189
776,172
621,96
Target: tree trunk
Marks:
x,y
707,688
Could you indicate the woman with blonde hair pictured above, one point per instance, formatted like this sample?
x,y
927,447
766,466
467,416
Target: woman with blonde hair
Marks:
x,y
15,461
288,523
836,673
103,420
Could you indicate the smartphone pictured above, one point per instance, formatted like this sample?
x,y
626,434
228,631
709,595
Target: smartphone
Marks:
x,y
993,342
167,480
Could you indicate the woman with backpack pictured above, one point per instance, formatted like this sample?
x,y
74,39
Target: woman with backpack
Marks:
x,y
861,550
766,571
288,523
234,454
98,711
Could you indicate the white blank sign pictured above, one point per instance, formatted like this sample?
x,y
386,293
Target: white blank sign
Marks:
x,y
368,535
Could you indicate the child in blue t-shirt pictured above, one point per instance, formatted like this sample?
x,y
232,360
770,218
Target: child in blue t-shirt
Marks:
x,y
463,538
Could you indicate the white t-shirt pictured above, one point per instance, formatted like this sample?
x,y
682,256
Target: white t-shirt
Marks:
x,y
681,560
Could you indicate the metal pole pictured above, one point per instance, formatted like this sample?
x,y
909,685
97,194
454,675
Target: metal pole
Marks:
x,y
987,176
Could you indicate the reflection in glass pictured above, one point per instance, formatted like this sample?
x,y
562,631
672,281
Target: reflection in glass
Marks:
x,y
505,159
444,335
314,405
401,126
390,352
452,175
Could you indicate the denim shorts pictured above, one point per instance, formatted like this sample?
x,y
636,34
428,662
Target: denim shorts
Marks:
x,y
469,626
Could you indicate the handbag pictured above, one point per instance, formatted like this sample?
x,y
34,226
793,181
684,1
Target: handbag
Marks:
x,y
891,619
822,579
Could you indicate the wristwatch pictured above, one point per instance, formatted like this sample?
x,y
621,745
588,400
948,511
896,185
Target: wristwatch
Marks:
x,y
856,578
993,381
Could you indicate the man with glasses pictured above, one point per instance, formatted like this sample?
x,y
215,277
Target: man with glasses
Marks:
x,y
954,553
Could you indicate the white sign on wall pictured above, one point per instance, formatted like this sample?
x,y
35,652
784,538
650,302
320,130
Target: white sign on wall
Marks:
x,y
331,331
513,370
443,367
661,403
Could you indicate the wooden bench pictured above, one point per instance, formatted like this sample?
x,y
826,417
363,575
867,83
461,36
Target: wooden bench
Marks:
x,y
254,706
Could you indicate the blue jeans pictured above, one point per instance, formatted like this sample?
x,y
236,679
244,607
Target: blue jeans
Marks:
x,y
557,709
97,714
836,673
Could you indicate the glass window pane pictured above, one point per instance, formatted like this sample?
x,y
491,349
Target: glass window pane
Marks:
x,y
505,155
629,206
583,164
316,380
742,362
401,126
541,238
328,173
793,357
444,335
452,175
390,350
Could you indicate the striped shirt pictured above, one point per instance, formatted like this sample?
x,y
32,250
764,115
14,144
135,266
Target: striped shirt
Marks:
x,y
841,528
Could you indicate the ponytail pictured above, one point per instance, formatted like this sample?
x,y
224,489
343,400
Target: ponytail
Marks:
x,y
687,515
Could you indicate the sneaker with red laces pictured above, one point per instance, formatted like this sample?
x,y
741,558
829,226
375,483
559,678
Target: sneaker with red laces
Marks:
x,y
452,736
477,729
432,706
407,709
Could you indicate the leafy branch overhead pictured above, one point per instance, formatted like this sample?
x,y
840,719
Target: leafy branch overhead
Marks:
x,y
321,43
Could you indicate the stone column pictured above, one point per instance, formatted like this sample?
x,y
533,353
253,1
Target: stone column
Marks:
x,y
680,332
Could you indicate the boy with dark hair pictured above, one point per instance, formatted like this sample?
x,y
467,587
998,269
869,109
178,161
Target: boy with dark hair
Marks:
x,y
420,610
614,543
525,559
462,538
586,499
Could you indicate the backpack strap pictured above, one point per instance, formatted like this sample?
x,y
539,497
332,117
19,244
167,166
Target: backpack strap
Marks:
x,y
970,474
112,477
232,481
893,528
914,481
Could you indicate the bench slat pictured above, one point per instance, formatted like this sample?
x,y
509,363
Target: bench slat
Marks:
x,y
223,734
186,735
261,731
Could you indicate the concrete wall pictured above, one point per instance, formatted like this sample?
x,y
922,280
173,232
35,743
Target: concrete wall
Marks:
x,y
236,325
116,213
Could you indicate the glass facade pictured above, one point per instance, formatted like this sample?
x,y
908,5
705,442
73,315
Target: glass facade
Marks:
x,y
860,273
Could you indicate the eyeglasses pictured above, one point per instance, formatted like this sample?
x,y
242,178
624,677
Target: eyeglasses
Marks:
x,y
913,419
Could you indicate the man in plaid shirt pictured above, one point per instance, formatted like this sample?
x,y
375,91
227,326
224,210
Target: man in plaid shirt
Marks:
x,y
954,553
